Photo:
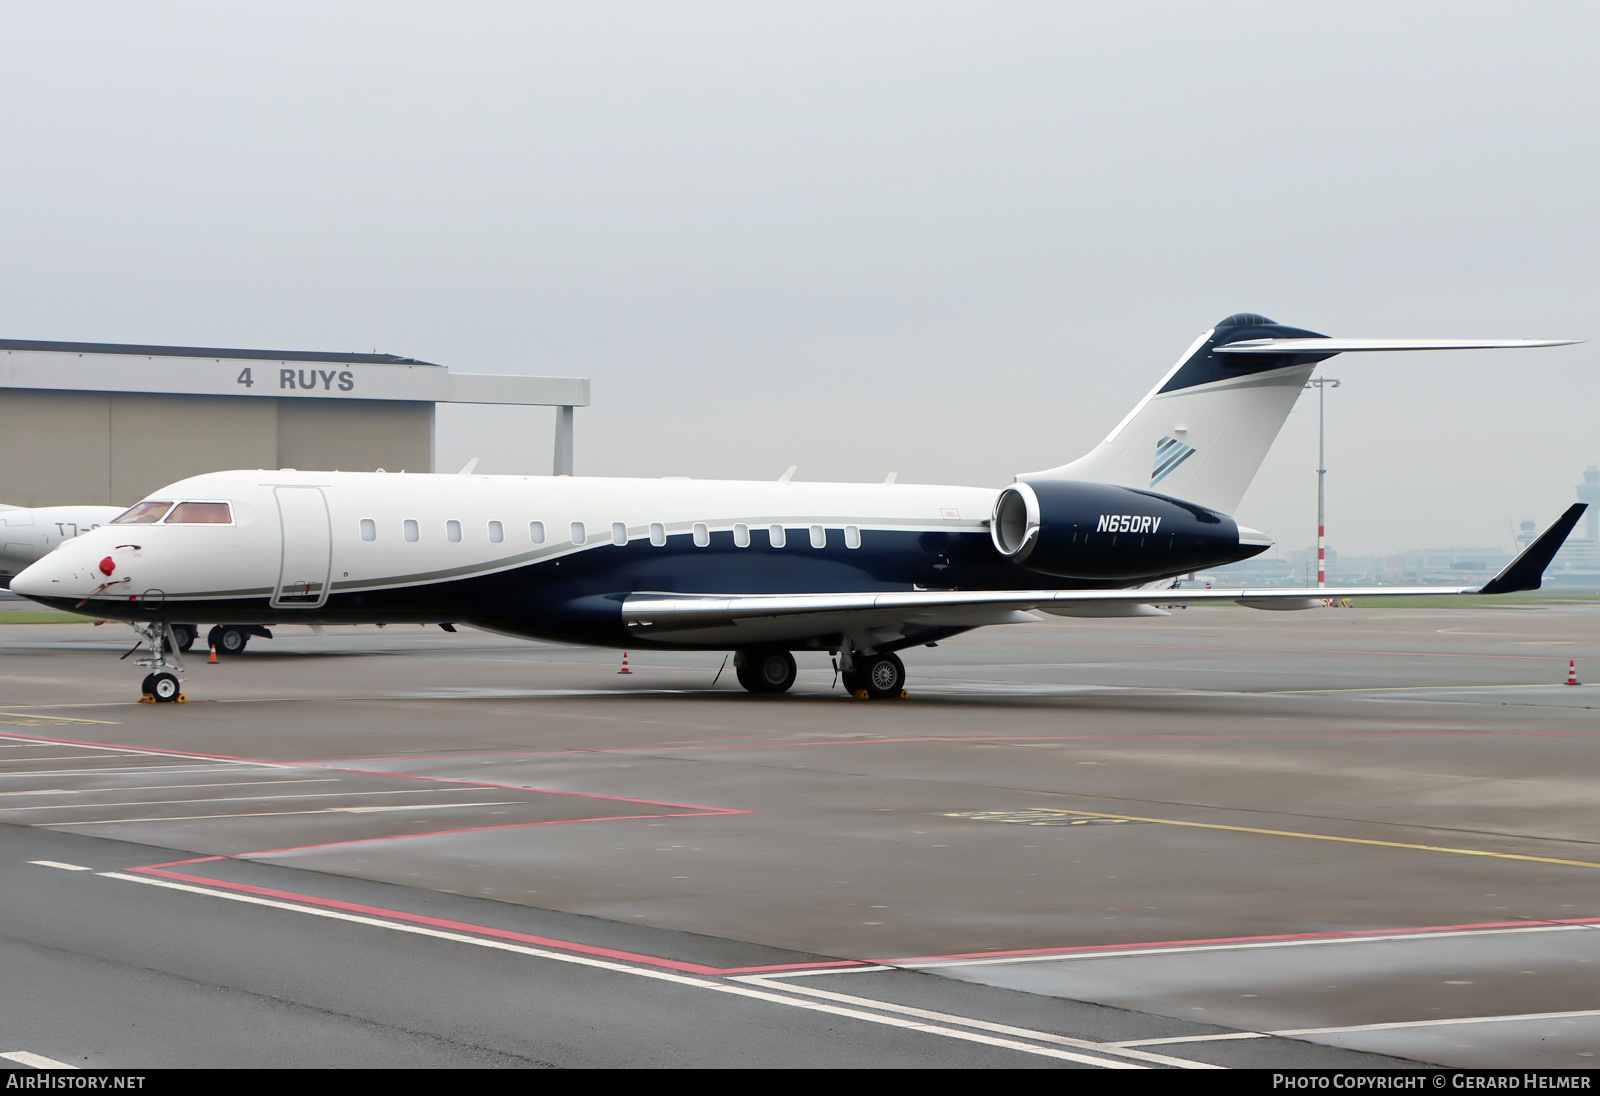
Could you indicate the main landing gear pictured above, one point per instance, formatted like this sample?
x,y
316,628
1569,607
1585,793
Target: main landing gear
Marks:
x,y
772,670
764,670
230,639
872,677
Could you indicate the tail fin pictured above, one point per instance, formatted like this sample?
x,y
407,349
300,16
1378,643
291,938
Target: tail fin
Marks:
x,y
1204,430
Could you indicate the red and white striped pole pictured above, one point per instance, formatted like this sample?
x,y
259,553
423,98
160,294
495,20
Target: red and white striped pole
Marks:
x,y
1320,383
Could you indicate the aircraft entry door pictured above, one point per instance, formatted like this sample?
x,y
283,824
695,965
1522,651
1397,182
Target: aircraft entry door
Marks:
x,y
307,548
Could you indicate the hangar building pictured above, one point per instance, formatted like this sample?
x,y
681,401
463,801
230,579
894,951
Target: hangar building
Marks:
x,y
105,423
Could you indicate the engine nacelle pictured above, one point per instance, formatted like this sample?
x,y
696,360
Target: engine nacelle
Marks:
x,y
1072,529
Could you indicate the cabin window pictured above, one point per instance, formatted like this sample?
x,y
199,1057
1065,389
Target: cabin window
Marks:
x,y
819,537
200,513
536,532
741,536
142,513
452,531
369,529
619,533
702,535
852,537
578,535
775,535
658,534
497,532
410,527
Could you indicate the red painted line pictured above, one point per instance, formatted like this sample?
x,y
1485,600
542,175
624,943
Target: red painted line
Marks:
x,y
478,930
836,964
181,863
1351,934
697,807
518,788
467,829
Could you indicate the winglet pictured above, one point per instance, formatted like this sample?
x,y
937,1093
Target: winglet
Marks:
x,y
1525,572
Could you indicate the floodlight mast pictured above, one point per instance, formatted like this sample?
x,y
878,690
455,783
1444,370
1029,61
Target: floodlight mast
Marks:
x,y
1320,383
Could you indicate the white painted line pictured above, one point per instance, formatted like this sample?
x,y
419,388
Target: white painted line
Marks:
x,y
36,1061
156,753
1512,1019
241,799
161,770
642,972
282,814
982,1025
58,864
65,757
170,787
1188,949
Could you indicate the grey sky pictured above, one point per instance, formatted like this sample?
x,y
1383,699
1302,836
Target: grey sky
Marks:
x,y
956,241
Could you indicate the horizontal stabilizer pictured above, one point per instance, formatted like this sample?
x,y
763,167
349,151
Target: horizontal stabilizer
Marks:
x,y
1527,570
1348,346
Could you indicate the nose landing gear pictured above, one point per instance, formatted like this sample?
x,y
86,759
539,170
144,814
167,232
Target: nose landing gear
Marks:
x,y
161,685
161,688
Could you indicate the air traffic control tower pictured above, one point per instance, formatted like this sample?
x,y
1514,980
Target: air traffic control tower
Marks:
x,y
105,423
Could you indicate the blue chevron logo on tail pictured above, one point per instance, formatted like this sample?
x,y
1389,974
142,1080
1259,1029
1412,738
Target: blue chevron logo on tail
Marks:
x,y
1170,452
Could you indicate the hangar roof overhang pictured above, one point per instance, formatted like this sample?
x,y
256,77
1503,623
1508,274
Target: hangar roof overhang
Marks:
x,y
211,371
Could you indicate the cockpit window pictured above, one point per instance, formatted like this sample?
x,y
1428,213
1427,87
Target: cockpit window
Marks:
x,y
200,513
142,513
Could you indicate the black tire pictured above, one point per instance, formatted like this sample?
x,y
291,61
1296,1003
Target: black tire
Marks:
x,y
766,671
164,687
230,641
882,675
852,681
186,635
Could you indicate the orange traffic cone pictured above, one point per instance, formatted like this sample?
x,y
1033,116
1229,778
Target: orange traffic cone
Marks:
x,y
212,661
624,669
1572,671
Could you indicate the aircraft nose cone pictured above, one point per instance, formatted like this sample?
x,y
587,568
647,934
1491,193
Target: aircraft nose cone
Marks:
x,y
1254,538
34,580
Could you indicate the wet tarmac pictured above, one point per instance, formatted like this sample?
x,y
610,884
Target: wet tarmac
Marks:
x,y
1362,830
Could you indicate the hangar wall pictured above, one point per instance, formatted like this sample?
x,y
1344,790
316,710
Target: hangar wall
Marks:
x,y
113,448
108,423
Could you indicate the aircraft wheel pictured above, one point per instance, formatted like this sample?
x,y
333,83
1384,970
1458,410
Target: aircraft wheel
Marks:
x,y
852,681
882,675
766,671
163,686
186,635
227,641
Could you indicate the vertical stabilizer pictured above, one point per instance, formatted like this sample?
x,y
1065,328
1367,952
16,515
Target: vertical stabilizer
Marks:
x,y
1204,430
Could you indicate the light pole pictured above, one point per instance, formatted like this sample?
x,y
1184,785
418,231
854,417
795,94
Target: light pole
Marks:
x,y
1321,383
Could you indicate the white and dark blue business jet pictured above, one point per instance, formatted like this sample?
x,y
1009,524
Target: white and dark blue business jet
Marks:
x,y
763,569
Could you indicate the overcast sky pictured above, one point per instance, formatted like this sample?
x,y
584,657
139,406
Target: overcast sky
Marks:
x,y
953,241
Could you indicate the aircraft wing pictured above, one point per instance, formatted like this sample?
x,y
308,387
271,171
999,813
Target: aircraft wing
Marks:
x,y
879,617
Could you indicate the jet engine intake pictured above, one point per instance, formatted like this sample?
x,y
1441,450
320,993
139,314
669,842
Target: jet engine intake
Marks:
x,y
1098,531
